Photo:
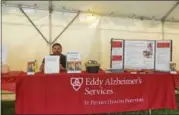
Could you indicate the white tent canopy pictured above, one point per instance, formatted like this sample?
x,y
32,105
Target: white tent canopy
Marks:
x,y
140,9
88,32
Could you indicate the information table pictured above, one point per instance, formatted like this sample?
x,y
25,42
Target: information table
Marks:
x,y
93,93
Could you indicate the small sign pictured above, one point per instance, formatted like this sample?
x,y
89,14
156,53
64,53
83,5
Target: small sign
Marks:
x,y
52,64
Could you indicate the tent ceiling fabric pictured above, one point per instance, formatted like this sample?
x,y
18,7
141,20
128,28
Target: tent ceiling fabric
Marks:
x,y
148,9
174,14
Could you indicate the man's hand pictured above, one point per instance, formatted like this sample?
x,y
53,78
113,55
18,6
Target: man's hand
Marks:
x,y
61,67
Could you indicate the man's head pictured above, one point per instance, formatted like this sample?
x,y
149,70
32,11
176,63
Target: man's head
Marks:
x,y
57,49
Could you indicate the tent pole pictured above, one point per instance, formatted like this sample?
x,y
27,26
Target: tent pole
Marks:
x,y
169,12
33,24
75,11
66,27
50,25
163,31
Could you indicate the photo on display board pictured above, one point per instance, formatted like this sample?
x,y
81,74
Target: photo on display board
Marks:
x,y
149,51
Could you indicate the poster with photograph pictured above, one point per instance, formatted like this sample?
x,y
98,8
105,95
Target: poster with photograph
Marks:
x,y
31,67
163,55
74,62
117,54
139,54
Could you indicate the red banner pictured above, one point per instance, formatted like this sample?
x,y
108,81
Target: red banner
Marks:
x,y
117,44
94,93
116,58
163,45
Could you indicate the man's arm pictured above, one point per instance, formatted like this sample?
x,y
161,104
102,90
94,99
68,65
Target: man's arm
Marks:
x,y
63,61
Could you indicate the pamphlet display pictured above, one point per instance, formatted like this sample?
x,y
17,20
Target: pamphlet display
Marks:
x,y
31,67
73,62
173,68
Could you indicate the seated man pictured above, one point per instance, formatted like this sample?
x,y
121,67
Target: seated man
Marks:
x,y
57,51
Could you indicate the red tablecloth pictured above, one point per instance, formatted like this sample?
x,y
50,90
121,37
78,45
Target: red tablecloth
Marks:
x,y
8,80
176,80
93,93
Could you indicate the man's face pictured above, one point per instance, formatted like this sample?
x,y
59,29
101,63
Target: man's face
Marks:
x,y
57,50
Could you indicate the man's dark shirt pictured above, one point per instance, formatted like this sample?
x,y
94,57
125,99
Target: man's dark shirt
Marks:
x,y
62,59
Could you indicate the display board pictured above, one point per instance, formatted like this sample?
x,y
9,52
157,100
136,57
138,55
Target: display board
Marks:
x,y
141,54
117,52
163,55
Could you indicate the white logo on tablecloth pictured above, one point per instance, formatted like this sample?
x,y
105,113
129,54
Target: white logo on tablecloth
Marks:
x,y
76,83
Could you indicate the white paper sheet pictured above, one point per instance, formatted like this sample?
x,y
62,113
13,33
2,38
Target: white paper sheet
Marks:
x,y
4,55
139,55
52,64
117,51
163,55
117,65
